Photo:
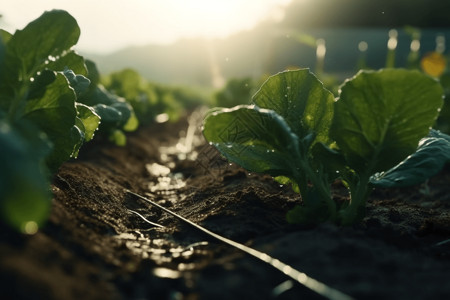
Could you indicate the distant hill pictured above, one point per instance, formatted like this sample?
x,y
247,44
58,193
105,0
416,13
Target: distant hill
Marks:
x,y
194,61
272,47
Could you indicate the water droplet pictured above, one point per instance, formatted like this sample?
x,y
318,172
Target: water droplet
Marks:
x,y
30,227
281,185
162,118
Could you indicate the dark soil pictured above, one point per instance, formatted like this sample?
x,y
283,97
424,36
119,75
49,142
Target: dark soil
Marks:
x,y
93,247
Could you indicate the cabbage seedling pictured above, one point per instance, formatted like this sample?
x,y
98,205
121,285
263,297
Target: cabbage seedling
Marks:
x,y
297,132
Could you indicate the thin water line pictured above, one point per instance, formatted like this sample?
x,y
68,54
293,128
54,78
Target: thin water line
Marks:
x,y
305,280
145,219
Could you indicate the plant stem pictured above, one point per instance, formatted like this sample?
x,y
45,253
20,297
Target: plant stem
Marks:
x,y
355,211
320,186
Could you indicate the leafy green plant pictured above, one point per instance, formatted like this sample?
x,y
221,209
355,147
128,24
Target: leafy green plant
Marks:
x,y
150,99
297,132
116,113
48,109
39,117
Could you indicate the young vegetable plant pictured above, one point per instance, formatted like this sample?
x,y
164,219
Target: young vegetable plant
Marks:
x,y
40,126
42,120
298,133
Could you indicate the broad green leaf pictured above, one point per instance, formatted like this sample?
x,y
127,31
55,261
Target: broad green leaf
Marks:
x,y
4,37
79,83
257,139
125,110
70,60
126,83
109,116
118,137
98,95
55,114
300,98
330,161
42,41
4,90
132,124
93,73
90,120
39,85
431,156
25,196
77,137
381,116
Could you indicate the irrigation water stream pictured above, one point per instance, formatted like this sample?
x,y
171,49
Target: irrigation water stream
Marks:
x,y
166,189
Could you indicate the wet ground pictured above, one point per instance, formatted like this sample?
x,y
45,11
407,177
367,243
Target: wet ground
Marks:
x,y
97,244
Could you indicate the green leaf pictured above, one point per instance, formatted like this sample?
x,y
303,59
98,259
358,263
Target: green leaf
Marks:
x,y
93,73
330,161
381,116
118,137
125,110
55,114
42,41
39,85
76,137
431,156
132,124
89,118
257,139
300,98
109,116
4,89
98,95
25,196
4,37
79,83
69,60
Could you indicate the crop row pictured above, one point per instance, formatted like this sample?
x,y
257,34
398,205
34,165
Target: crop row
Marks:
x,y
52,101
377,132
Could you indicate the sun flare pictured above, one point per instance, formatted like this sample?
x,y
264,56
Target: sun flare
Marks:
x,y
138,22
220,17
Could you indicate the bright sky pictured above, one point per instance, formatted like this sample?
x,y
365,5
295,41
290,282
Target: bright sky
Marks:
x,y
108,25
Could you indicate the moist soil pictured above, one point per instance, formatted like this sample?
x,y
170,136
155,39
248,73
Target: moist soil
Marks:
x,y
96,246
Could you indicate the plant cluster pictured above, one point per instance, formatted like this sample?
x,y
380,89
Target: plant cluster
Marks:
x,y
149,99
51,102
375,133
